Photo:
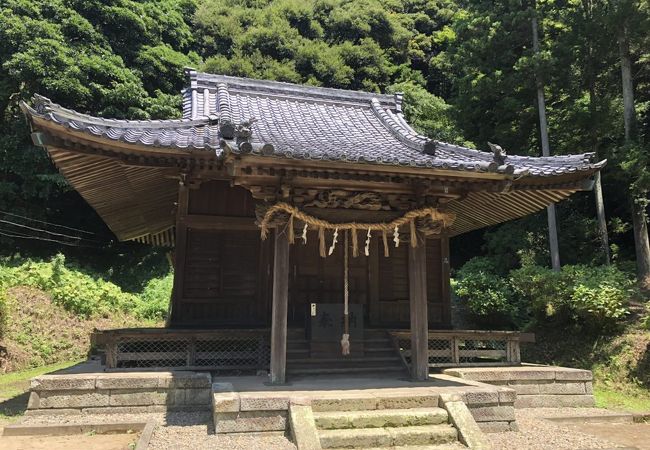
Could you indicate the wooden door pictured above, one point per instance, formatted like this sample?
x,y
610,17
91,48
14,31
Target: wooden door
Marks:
x,y
315,279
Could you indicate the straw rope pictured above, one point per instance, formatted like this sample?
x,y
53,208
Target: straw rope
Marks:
x,y
447,218
345,338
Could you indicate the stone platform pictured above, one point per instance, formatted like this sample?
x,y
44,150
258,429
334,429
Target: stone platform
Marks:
x,y
246,404
322,411
126,392
536,386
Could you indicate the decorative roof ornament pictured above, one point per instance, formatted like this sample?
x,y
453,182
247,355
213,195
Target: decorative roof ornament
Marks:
x,y
42,104
243,134
499,153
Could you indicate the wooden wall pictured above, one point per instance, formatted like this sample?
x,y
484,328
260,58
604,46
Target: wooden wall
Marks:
x,y
226,271
392,307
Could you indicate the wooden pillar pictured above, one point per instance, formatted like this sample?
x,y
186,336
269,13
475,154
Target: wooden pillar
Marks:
x,y
418,308
180,251
445,278
279,309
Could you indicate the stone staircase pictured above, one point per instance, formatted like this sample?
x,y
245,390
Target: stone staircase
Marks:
x,y
402,427
378,356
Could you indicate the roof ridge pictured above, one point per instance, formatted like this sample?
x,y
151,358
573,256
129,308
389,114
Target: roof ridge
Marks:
x,y
199,80
413,140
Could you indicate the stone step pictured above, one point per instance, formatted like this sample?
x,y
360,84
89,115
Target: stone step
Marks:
x,y
452,446
329,420
361,402
388,437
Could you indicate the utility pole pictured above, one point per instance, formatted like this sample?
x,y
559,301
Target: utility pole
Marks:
x,y
543,129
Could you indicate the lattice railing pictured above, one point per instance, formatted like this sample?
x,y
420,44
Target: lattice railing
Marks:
x,y
464,348
222,350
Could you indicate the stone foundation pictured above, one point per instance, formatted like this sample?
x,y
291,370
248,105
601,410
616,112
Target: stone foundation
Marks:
x,y
120,392
536,386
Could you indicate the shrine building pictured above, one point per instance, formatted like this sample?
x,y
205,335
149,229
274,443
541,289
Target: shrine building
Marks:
x,y
308,225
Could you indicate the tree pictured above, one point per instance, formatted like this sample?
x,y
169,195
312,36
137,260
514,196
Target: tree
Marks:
x,y
626,15
546,151
121,59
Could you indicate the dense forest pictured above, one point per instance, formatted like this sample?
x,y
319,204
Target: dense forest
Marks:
x,y
470,72
468,69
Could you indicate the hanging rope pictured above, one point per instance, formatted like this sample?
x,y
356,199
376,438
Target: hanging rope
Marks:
x,y
345,339
447,218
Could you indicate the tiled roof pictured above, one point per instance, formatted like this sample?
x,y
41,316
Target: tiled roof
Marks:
x,y
302,122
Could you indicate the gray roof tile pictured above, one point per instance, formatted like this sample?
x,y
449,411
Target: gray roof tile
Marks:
x,y
303,122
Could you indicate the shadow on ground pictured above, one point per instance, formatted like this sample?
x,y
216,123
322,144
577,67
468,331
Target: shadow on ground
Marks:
x,y
14,406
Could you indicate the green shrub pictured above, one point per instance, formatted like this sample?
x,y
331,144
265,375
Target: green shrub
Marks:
x,y
542,292
155,298
85,295
600,295
489,297
4,310
594,297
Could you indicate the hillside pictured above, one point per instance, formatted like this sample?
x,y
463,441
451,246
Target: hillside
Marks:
x,y
40,332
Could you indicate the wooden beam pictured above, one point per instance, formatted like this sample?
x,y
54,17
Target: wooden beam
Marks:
x,y
373,281
280,307
180,250
417,267
206,222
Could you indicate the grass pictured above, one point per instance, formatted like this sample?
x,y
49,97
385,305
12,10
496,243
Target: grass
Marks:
x,y
637,400
14,387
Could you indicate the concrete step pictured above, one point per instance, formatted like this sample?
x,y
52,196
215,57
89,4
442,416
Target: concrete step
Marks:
x,y
388,437
346,370
379,418
348,360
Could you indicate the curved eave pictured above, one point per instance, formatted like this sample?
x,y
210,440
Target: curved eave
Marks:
x,y
483,209
288,162
83,137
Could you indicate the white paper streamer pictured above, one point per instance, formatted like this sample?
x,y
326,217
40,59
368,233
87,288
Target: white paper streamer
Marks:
x,y
396,237
367,249
334,241
304,234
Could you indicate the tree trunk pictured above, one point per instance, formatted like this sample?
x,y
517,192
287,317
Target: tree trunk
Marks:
x,y
639,217
590,75
546,151
602,222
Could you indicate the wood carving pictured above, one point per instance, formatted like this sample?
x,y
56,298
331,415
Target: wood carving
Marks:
x,y
348,200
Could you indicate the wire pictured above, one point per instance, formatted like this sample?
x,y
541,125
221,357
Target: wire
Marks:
x,y
41,230
38,238
47,223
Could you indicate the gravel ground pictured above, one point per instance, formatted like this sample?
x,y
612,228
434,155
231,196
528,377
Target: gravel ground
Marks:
x,y
194,431
536,433
179,431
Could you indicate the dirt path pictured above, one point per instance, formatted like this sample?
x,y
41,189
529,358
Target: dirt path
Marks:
x,y
75,442
630,435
